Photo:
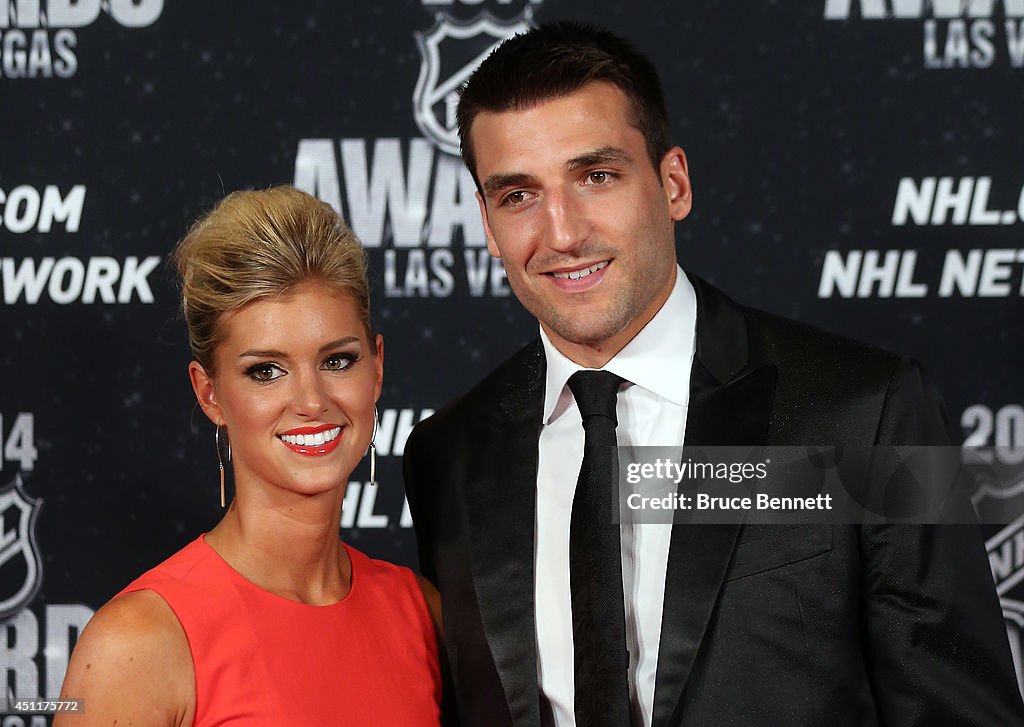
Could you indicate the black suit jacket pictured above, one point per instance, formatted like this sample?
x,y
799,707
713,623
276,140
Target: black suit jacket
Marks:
x,y
762,625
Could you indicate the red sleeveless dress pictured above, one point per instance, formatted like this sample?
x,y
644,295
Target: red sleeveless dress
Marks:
x,y
260,659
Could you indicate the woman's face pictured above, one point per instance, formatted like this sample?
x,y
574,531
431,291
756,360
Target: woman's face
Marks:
x,y
296,382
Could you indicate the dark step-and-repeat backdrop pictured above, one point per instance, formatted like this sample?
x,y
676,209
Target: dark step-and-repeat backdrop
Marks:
x,y
856,165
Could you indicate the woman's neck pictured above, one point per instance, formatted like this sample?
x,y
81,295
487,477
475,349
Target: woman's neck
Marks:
x,y
290,547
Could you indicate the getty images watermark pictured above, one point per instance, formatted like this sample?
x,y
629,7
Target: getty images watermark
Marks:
x,y
806,485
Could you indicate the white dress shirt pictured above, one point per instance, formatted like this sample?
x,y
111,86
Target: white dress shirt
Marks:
x,y
652,412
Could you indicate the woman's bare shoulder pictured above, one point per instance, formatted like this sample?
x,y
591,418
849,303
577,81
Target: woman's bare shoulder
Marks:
x,y
132,665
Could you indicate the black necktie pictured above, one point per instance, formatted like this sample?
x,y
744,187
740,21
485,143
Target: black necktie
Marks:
x,y
595,564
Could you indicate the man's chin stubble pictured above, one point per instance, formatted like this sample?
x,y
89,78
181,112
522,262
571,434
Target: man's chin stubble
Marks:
x,y
592,335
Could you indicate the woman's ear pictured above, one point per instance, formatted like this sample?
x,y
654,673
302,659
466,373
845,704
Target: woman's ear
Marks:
x,y
206,392
379,362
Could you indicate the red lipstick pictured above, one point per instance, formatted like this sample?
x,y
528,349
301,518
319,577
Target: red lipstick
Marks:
x,y
312,441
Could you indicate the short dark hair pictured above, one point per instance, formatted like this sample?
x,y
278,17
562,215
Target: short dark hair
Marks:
x,y
555,60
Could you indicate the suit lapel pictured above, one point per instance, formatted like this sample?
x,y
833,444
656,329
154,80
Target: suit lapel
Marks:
x,y
501,507
730,403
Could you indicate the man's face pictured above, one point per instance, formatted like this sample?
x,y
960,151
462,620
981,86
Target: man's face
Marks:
x,y
580,219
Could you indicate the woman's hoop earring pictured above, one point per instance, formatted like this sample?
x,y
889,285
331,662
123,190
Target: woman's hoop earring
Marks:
x,y
220,462
373,450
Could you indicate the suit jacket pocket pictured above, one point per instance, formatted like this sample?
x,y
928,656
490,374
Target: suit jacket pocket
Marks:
x,y
766,547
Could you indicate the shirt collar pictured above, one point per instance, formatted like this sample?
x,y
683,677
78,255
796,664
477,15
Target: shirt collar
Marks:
x,y
651,360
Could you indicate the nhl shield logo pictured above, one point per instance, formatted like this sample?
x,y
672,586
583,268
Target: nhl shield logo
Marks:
x,y
1006,558
996,475
1013,612
20,565
449,53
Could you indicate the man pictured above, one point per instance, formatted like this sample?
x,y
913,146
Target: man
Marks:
x,y
565,131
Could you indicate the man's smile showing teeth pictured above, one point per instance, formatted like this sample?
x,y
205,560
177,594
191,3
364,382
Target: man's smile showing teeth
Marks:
x,y
577,274
312,441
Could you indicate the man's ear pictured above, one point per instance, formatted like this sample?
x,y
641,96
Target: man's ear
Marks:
x,y
675,179
492,246
206,393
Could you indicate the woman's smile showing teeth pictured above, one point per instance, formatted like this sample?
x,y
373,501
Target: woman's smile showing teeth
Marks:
x,y
312,441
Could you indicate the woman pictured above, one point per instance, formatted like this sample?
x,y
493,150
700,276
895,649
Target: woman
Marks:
x,y
269,619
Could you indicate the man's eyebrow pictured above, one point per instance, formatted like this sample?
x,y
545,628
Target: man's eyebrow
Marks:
x,y
603,155
497,182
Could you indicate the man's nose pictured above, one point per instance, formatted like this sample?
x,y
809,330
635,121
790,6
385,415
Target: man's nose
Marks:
x,y
568,224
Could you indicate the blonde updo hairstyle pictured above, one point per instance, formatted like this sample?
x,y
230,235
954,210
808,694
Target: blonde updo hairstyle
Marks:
x,y
255,245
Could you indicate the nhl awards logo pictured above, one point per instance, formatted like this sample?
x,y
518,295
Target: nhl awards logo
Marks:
x,y
1006,557
449,53
995,478
998,496
957,33
21,568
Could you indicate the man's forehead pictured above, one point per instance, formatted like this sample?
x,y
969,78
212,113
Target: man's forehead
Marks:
x,y
601,96
565,132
